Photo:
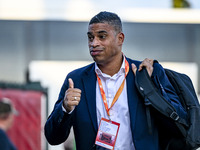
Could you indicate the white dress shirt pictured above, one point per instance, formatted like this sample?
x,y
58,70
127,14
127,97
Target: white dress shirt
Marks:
x,y
120,111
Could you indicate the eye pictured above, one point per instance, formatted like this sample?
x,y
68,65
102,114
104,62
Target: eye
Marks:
x,y
90,37
102,36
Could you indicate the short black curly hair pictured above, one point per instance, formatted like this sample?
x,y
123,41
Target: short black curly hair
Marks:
x,y
108,17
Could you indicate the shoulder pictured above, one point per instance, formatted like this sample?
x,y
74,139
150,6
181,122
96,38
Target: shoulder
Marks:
x,y
2,134
82,70
136,62
158,69
77,74
5,142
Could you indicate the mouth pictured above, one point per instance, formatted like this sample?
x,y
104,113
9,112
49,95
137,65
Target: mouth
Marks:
x,y
95,52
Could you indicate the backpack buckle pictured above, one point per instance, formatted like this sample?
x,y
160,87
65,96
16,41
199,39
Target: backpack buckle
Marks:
x,y
174,116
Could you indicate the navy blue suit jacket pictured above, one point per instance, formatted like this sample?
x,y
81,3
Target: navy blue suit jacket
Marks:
x,y
84,117
5,142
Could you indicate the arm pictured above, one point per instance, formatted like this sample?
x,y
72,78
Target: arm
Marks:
x,y
57,127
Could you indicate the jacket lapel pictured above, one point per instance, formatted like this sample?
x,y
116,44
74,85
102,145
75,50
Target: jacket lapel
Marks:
x,y
89,82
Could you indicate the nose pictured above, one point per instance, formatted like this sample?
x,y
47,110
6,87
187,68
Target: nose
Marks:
x,y
94,42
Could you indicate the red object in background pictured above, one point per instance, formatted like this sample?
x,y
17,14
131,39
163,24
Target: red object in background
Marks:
x,y
26,132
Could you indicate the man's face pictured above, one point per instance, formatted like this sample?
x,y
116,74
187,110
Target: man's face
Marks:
x,y
104,42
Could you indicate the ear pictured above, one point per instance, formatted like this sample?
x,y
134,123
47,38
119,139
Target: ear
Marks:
x,y
120,38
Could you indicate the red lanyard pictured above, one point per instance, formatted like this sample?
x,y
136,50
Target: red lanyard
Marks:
x,y
118,92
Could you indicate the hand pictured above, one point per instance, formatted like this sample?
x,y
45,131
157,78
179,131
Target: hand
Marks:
x,y
72,97
148,63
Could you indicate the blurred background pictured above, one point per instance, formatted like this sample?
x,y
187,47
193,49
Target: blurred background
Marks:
x,y
42,40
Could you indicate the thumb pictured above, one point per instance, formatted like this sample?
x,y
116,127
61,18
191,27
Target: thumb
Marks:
x,y
71,83
134,68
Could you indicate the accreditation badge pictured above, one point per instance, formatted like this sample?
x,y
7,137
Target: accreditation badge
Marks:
x,y
107,133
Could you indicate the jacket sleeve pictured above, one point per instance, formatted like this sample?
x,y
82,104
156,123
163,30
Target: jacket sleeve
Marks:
x,y
58,124
167,90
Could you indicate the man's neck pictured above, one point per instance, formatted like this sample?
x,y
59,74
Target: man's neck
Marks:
x,y
112,67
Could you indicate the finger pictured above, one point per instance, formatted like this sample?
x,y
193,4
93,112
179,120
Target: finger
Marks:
x,y
71,83
143,64
72,103
134,68
76,98
146,63
77,94
73,90
151,61
150,70
70,94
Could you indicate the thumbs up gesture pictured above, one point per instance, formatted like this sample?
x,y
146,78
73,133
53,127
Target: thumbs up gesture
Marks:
x,y
72,97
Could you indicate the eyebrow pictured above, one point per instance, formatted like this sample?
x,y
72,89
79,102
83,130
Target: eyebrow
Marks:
x,y
90,33
103,31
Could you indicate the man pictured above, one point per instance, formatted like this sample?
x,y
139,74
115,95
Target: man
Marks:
x,y
105,91
6,120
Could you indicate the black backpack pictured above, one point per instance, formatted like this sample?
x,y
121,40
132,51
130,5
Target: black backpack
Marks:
x,y
175,132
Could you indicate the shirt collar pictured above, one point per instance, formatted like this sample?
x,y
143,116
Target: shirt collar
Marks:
x,y
120,72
